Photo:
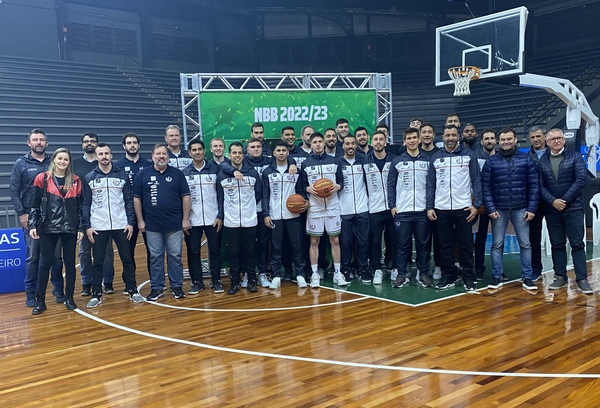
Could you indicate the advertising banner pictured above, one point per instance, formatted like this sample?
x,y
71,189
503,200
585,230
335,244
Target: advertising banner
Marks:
x,y
229,114
12,260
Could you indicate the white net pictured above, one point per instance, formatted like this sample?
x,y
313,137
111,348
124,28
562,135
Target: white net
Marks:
x,y
462,77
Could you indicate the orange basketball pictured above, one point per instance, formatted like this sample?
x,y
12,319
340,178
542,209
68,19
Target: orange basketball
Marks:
x,y
323,187
294,203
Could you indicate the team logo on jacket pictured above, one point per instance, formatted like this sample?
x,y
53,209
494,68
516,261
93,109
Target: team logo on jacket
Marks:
x,y
208,178
116,182
459,160
329,168
423,165
168,179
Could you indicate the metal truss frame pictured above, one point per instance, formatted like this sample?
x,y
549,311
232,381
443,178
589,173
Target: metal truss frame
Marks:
x,y
192,86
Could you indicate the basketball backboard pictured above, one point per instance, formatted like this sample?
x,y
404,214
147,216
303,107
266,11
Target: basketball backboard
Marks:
x,y
494,43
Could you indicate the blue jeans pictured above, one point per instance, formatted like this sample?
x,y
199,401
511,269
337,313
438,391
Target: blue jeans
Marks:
x,y
158,242
32,262
498,233
563,225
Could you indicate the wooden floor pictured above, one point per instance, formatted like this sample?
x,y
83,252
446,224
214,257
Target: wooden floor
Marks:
x,y
322,348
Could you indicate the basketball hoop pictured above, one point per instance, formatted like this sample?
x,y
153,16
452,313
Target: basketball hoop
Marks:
x,y
462,76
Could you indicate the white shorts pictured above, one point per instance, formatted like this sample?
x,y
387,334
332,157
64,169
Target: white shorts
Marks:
x,y
331,224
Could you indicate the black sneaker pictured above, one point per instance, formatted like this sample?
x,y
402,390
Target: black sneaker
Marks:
x,y
30,299
479,275
86,290
234,288
196,288
59,295
217,287
529,285
447,282
400,281
366,276
177,293
469,286
155,295
252,286
504,278
108,288
496,283
424,280
459,276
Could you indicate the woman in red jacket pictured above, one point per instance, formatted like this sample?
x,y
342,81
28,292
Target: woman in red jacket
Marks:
x,y
57,201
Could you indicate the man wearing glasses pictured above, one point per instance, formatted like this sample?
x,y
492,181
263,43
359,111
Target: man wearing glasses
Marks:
x,y
562,179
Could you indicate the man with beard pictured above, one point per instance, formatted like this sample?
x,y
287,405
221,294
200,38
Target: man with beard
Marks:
x,y
81,167
332,147
362,141
178,157
453,197
288,135
22,191
305,134
132,163
342,129
469,137
161,199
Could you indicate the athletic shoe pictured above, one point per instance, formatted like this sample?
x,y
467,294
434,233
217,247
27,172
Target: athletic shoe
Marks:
x,y
155,295
234,288
366,276
252,286
424,280
528,284
470,286
275,283
93,303
378,277
459,277
339,279
479,275
125,292
264,281
400,281
535,276
244,281
437,273
59,295
30,299
301,281
447,282
217,287
394,274
504,278
584,287
196,288
315,280
136,298
496,283
177,293
86,290
108,288
558,283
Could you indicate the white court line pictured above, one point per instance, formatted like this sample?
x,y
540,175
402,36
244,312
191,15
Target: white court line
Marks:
x,y
335,362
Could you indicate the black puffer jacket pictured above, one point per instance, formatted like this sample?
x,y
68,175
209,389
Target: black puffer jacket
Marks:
x,y
572,178
63,214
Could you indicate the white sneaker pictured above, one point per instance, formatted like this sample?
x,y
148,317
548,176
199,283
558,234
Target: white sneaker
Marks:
x,y
315,280
437,273
393,274
301,281
264,281
245,281
339,279
137,298
378,277
276,283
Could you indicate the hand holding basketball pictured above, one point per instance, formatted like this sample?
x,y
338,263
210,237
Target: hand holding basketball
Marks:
x,y
323,187
295,204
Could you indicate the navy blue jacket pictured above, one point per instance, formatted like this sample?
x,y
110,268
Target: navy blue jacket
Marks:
x,y
572,178
510,183
24,171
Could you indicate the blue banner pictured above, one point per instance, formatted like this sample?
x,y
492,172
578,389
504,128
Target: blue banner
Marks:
x,y
12,260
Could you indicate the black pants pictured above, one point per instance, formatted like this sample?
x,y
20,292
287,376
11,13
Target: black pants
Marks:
x,y
47,247
435,243
355,234
133,243
293,230
535,238
194,245
409,225
447,220
263,233
101,241
241,253
480,239
377,223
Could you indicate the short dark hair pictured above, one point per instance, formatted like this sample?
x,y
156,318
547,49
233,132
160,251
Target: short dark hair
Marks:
x,y
90,135
413,119
488,130
428,124
448,127
130,134
235,144
254,139
348,136
340,121
281,143
507,130
159,145
102,145
315,135
382,125
196,140
328,130
410,130
360,128
377,132
255,125
41,132
283,129
452,114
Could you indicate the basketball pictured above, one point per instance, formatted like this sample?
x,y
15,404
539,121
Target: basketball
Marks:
x,y
294,203
323,187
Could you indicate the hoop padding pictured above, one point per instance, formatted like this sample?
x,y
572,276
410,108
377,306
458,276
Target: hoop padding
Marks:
x,y
462,76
